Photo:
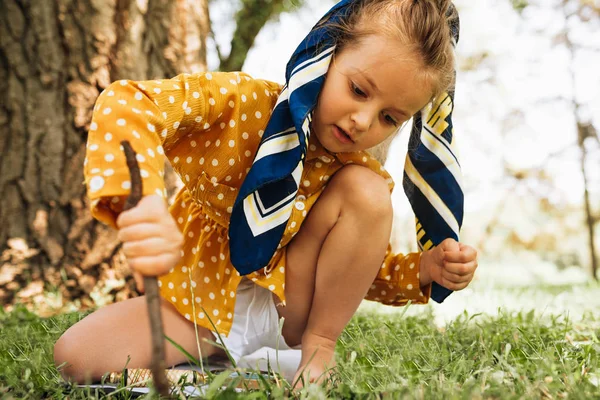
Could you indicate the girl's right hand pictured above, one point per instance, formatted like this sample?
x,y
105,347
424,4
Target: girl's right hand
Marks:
x,y
151,240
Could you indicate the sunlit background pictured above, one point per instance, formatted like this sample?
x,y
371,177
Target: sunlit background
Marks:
x,y
528,75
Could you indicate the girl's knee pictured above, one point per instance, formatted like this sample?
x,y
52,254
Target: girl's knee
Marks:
x,y
364,191
67,358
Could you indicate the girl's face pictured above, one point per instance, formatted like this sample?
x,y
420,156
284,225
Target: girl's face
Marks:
x,y
371,89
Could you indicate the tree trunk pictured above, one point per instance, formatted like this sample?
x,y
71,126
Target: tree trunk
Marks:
x,y
585,131
56,56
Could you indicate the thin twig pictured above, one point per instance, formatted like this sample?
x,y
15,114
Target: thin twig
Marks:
x,y
150,284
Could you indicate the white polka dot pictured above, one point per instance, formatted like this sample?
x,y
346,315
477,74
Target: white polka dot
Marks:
x,y
184,105
206,279
258,114
94,147
231,104
188,111
109,157
140,158
254,95
211,295
202,161
215,312
187,316
208,76
232,123
107,111
201,315
126,185
212,101
176,160
306,183
244,98
222,125
260,133
215,162
411,266
157,90
176,124
409,286
171,286
198,119
109,172
229,316
223,90
271,287
96,183
138,96
189,160
150,152
171,99
220,196
93,126
247,153
144,173
151,128
196,95
160,150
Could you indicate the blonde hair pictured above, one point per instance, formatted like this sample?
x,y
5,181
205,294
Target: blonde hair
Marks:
x,y
423,26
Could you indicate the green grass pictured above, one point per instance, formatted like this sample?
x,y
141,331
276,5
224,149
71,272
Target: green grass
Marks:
x,y
509,356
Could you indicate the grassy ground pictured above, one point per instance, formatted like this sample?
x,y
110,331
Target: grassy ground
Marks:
x,y
510,355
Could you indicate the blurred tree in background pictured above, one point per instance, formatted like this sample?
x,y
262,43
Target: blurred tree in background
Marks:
x,y
55,58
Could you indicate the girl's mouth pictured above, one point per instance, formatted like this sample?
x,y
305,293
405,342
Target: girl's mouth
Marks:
x,y
341,135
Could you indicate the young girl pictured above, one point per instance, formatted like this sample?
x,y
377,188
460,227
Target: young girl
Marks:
x,y
285,212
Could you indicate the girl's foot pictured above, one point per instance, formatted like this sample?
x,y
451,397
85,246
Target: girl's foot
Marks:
x,y
317,364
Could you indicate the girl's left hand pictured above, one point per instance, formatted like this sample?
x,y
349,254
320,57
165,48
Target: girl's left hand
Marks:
x,y
451,264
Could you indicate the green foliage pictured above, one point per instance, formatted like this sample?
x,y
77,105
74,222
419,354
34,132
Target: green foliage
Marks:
x,y
251,17
519,5
517,355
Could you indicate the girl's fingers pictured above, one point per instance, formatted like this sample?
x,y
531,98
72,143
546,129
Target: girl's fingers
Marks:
x,y
460,269
139,281
139,232
466,254
147,247
453,285
150,209
449,276
152,266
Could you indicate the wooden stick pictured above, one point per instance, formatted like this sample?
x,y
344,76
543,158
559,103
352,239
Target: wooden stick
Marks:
x,y
150,283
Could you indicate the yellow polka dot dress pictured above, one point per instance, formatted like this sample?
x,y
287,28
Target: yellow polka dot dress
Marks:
x,y
209,126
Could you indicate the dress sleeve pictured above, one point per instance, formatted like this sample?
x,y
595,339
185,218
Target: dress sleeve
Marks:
x,y
163,118
397,281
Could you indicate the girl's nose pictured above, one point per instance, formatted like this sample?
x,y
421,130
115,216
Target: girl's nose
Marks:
x,y
362,121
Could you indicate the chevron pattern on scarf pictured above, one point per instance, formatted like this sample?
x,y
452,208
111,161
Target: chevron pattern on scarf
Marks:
x,y
432,176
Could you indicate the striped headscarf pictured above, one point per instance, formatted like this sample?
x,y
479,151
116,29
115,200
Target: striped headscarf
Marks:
x,y
432,178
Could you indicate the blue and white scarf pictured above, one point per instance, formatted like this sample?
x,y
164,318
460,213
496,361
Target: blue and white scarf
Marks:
x,y
264,204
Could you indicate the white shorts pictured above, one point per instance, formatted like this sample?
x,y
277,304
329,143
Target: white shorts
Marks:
x,y
254,338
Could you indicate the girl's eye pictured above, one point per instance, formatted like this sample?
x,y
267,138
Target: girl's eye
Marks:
x,y
357,91
390,120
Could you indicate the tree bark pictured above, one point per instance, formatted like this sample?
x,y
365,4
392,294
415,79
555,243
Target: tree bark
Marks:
x,y
56,56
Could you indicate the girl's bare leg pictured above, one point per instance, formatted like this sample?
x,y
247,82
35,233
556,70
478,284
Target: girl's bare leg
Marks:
x,y
104,340
332,262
